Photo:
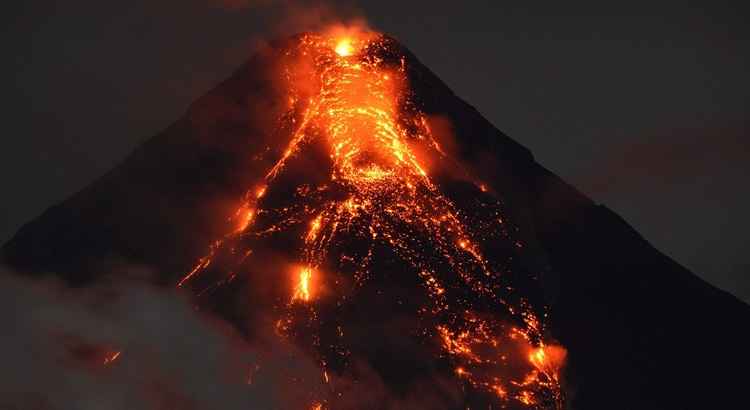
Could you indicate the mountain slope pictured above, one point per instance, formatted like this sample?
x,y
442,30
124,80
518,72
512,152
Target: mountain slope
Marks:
x,y
640,330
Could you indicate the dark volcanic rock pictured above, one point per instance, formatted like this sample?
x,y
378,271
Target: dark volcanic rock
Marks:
x,y
642,331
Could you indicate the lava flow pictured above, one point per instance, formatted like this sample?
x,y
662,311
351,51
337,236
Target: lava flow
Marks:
x,y
354,104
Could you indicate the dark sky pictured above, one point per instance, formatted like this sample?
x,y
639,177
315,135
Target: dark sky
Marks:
x,y
644,107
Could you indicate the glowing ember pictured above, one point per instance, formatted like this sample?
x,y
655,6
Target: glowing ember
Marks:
x,y
380,193
111,359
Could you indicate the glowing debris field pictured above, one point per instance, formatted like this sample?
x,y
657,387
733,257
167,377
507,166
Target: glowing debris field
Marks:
x,y
372,204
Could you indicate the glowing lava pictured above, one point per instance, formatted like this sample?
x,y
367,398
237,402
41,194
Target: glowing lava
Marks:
x,y
302,291
384,196
344,47
111,358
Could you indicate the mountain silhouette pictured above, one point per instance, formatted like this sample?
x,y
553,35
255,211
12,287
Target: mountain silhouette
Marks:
x,y
206,206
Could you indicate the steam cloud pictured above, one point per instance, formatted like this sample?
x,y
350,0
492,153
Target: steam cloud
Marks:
x,y
172,355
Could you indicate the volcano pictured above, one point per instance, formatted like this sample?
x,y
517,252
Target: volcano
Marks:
x,y
335,192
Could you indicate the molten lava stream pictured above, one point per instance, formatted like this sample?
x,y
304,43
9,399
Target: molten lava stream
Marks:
x,y
386,196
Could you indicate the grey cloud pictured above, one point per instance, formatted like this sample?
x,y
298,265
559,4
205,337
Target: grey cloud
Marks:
x,y
172,355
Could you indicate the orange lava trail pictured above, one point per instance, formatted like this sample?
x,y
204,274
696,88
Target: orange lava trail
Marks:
x,y
357,114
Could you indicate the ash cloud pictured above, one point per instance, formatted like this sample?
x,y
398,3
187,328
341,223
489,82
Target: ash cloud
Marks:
x,y
294,16
172,355
242,4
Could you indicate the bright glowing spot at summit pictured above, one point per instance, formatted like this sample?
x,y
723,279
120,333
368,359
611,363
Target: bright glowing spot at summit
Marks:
x,y
344,47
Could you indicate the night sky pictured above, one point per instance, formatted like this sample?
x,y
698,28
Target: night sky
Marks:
x,y
642,107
